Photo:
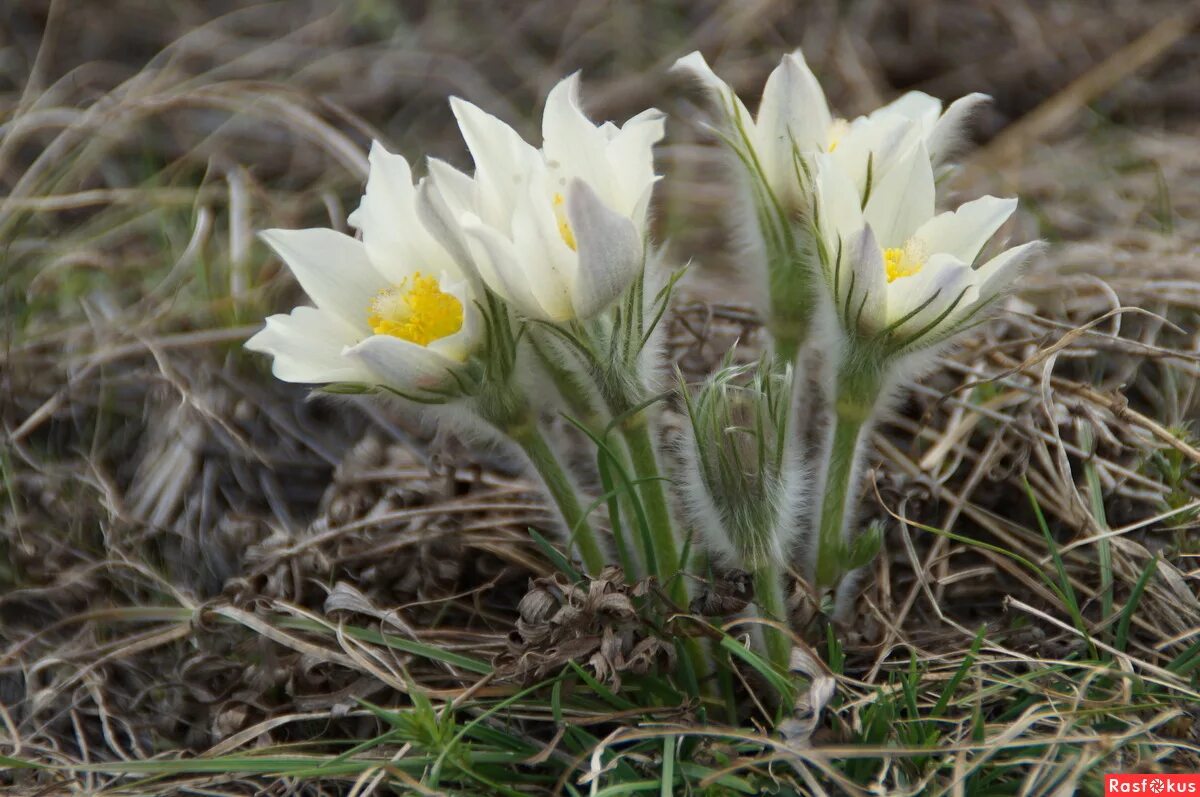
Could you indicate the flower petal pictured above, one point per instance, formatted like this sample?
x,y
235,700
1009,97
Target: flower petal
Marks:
x,y
442,200
731,107
332,268
503,161
839,211
503,270
922,298
387,217
997,275
863,288
946,138
548,262
793,112
307,346
631,156
401,364
963,232
572,145
902,199
916,106
610,251
872,144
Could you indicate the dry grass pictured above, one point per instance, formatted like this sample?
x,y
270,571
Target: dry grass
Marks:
x,y
202,566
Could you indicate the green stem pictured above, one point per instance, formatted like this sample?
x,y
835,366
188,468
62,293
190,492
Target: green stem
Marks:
x,y
768,594
842,453
859,383
573,389
636,432
562,490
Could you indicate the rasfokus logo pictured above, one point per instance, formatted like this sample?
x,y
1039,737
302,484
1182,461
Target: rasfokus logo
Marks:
x,y
1151,784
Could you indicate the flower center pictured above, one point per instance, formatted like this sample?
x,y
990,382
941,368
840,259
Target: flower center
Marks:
x,y
837,130
899,262
416,310
564,226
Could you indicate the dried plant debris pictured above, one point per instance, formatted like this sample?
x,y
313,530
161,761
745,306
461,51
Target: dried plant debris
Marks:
x,y
595,624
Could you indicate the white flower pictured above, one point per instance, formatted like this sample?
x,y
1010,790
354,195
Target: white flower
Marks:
x,y
393,309
794,117
558,233
899,269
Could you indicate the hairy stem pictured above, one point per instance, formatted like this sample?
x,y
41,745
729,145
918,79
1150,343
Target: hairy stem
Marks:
x,y
563,491
768,593
860,381
842,453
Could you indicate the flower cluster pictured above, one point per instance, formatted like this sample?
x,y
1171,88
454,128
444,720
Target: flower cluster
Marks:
x,y
523,285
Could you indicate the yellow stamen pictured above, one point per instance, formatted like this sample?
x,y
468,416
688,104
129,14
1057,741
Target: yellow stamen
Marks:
x,y
564,226
899,263
420,314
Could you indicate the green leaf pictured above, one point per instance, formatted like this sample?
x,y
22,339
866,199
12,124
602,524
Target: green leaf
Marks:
x,y
555,556
1131,605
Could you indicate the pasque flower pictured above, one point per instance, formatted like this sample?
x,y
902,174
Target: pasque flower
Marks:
x,y
903,279
393,309
795,119
900,273
557,232
774,153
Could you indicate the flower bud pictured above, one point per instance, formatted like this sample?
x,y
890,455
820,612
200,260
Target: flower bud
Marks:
x,y
742,481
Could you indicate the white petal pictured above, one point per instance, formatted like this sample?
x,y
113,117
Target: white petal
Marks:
x,y
572,145
503,270
839,212
872,144
307,347
549,264
997,275
631,157
503,161
902,199
387,217
440,206
793,111
610,251
945,141
943,281
863,289
401,364
332,268
916,106
964,232
730,106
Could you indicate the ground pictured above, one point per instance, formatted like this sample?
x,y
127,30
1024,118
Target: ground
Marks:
x,y
213,583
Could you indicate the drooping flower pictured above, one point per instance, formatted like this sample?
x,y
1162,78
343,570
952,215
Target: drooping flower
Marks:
x,y
900,273
795,119
557,232
393,309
